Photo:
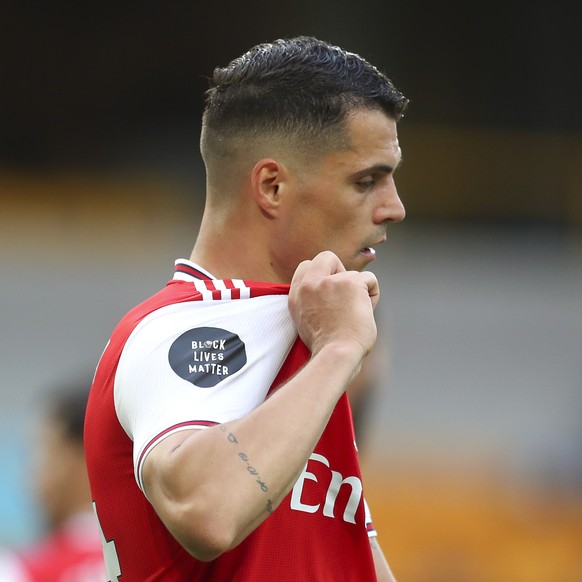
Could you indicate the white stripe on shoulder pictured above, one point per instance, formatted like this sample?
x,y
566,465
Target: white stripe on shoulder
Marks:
x,y
245,292
225,293
202,289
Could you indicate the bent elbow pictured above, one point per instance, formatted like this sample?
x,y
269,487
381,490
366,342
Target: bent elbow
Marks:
x,y
207,549
204,537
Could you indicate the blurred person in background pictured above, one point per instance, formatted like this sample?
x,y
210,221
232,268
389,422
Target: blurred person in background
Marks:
x,y
71,549
219,437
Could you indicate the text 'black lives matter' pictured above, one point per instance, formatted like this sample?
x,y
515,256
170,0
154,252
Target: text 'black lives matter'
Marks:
x,y
206,356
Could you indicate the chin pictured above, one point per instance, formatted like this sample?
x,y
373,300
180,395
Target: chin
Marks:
x,y
355,264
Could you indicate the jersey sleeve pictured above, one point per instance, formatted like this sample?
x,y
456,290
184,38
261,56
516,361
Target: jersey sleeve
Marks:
x,y
372,533
197,364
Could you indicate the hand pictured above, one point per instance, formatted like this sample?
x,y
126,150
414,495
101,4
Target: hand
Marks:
x,y
329,304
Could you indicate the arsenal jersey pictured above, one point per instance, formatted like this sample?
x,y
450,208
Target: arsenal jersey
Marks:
x,y
203,352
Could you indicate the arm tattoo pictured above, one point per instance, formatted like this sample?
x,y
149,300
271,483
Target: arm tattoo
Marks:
x,y
231,437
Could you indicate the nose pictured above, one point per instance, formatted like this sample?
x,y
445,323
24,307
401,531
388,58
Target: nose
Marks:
x,y
390,207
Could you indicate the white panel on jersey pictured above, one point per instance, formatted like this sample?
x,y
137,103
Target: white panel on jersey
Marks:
x,y
154,393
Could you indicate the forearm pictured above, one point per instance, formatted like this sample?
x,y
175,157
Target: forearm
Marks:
x,y
383,572
234,475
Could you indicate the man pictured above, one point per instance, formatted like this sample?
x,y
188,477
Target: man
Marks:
x,y
71,550
218,436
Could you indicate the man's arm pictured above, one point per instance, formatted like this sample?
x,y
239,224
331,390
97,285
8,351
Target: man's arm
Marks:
x,y
383,572
213,487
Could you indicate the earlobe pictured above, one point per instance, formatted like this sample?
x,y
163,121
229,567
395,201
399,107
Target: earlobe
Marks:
x,y
267,179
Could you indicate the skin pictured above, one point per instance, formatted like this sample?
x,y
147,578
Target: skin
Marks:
x,y
342,202
331,211
61,481
346,204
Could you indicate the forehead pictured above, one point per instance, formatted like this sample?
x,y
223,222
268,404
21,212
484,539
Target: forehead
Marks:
x,y
373,129
372,140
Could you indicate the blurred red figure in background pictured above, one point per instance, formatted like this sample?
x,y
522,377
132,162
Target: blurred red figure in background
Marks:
x,y
71,550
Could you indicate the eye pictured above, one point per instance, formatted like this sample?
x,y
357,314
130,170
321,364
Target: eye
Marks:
x,y
364,185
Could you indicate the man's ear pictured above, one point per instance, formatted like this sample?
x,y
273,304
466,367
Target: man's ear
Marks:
x,y
268,179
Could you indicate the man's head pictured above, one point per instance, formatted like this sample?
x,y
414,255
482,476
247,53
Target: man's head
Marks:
x,y
300,145
60,478
293,93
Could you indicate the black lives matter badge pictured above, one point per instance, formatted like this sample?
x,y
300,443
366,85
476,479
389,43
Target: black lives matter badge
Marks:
x,y
206,356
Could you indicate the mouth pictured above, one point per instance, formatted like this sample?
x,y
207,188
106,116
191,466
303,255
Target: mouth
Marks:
x,y
369,253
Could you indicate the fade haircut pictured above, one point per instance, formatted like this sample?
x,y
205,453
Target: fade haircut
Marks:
x,y
300,90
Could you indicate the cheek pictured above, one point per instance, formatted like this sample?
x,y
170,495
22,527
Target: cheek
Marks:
x,y
323,220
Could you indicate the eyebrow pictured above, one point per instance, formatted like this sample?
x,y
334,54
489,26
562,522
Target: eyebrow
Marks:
x,y
376,169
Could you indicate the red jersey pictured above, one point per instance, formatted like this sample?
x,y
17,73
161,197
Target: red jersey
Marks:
x,y
203,352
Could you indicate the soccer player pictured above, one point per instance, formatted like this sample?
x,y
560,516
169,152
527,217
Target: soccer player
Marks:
x,y
218,436
71,550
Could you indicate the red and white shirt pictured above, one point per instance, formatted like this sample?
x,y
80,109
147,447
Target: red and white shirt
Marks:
x,y
203,352
72,553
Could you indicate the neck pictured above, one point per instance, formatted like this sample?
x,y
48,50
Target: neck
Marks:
x,y
236,247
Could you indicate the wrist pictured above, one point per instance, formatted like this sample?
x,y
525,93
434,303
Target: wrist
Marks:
x,y
342,355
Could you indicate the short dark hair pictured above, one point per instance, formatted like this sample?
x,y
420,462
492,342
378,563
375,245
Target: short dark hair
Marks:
x,y
299,87
67,404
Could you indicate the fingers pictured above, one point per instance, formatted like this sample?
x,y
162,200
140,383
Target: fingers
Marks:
x,y
325,263
328,303
299,273
373,286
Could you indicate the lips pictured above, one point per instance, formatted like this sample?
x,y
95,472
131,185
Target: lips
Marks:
x,y
369,252
376,243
